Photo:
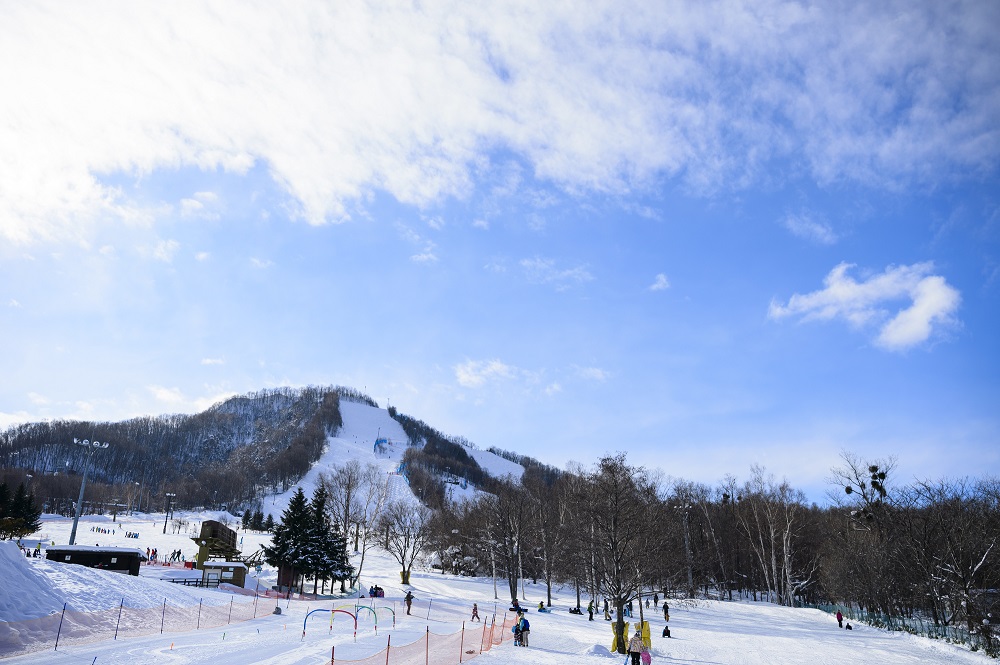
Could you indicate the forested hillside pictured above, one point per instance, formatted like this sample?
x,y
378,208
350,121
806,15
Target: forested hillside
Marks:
x,y
226,455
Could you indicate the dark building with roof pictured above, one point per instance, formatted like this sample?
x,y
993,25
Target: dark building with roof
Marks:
x,y
116,559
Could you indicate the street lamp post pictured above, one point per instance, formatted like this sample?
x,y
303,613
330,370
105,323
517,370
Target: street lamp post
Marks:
x,y
170,499
91,446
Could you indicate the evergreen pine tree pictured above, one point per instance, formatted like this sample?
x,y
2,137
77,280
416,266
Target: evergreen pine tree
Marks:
x,y
268,524
288,544
18,514
26,510
247,519
257,523
326,555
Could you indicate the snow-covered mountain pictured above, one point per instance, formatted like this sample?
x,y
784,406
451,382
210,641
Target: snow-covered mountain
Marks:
x,y
370,435
249,450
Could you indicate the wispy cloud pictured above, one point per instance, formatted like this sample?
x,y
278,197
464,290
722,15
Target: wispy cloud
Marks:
x,y
212,361
261,264
932,302
602,99
163,250
427,248
476,373
545,271
804,226
660,283
171,397
592,373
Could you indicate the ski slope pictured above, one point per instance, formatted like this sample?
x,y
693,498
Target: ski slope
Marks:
x,y
704,631
34,591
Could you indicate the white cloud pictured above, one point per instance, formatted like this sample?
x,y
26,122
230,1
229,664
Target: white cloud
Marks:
x,y
190,207
11,419
202,256
172,397
807,228
13,302
553,389
544,271
212,361
427,247
932,302
416,100
660,283
262,264
175,401
476,373
163,250
592,373
481,224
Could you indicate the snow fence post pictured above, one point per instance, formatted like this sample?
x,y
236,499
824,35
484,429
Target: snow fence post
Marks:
x,y
429,603
333,653
163,615
461,644
482,638
198,627
427,647
59,632
230,619
388,642
119,617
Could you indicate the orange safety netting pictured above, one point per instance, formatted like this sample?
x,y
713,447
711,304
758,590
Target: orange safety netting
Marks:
x,y
433,649
71,627
75,627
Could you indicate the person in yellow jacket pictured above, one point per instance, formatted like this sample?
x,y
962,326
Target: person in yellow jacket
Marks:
x,y
636,647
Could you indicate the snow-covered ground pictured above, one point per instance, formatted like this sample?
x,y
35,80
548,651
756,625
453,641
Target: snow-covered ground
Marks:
x,y
169,623
703,631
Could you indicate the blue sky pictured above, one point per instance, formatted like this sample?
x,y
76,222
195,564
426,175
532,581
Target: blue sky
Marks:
x,y
712,235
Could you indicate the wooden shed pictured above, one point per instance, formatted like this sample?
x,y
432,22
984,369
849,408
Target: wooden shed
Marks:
x,y
116,559
231,572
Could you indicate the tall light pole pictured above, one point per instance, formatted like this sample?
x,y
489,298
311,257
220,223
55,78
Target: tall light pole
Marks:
x,y
170,499
91,446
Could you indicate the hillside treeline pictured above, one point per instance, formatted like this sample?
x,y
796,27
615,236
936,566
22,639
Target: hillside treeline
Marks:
x,y
432,460
927,548
225,456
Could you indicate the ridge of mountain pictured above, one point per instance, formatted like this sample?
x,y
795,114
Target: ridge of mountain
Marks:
x,y
235,453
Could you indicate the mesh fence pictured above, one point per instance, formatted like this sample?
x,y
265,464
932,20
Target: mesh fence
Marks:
x,y
69,627
74,628
916,625
437,649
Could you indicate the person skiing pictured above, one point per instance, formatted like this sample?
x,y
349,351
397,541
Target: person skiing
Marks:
x,y
475,612
590,610
408,599
840,619
666,611
636,647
